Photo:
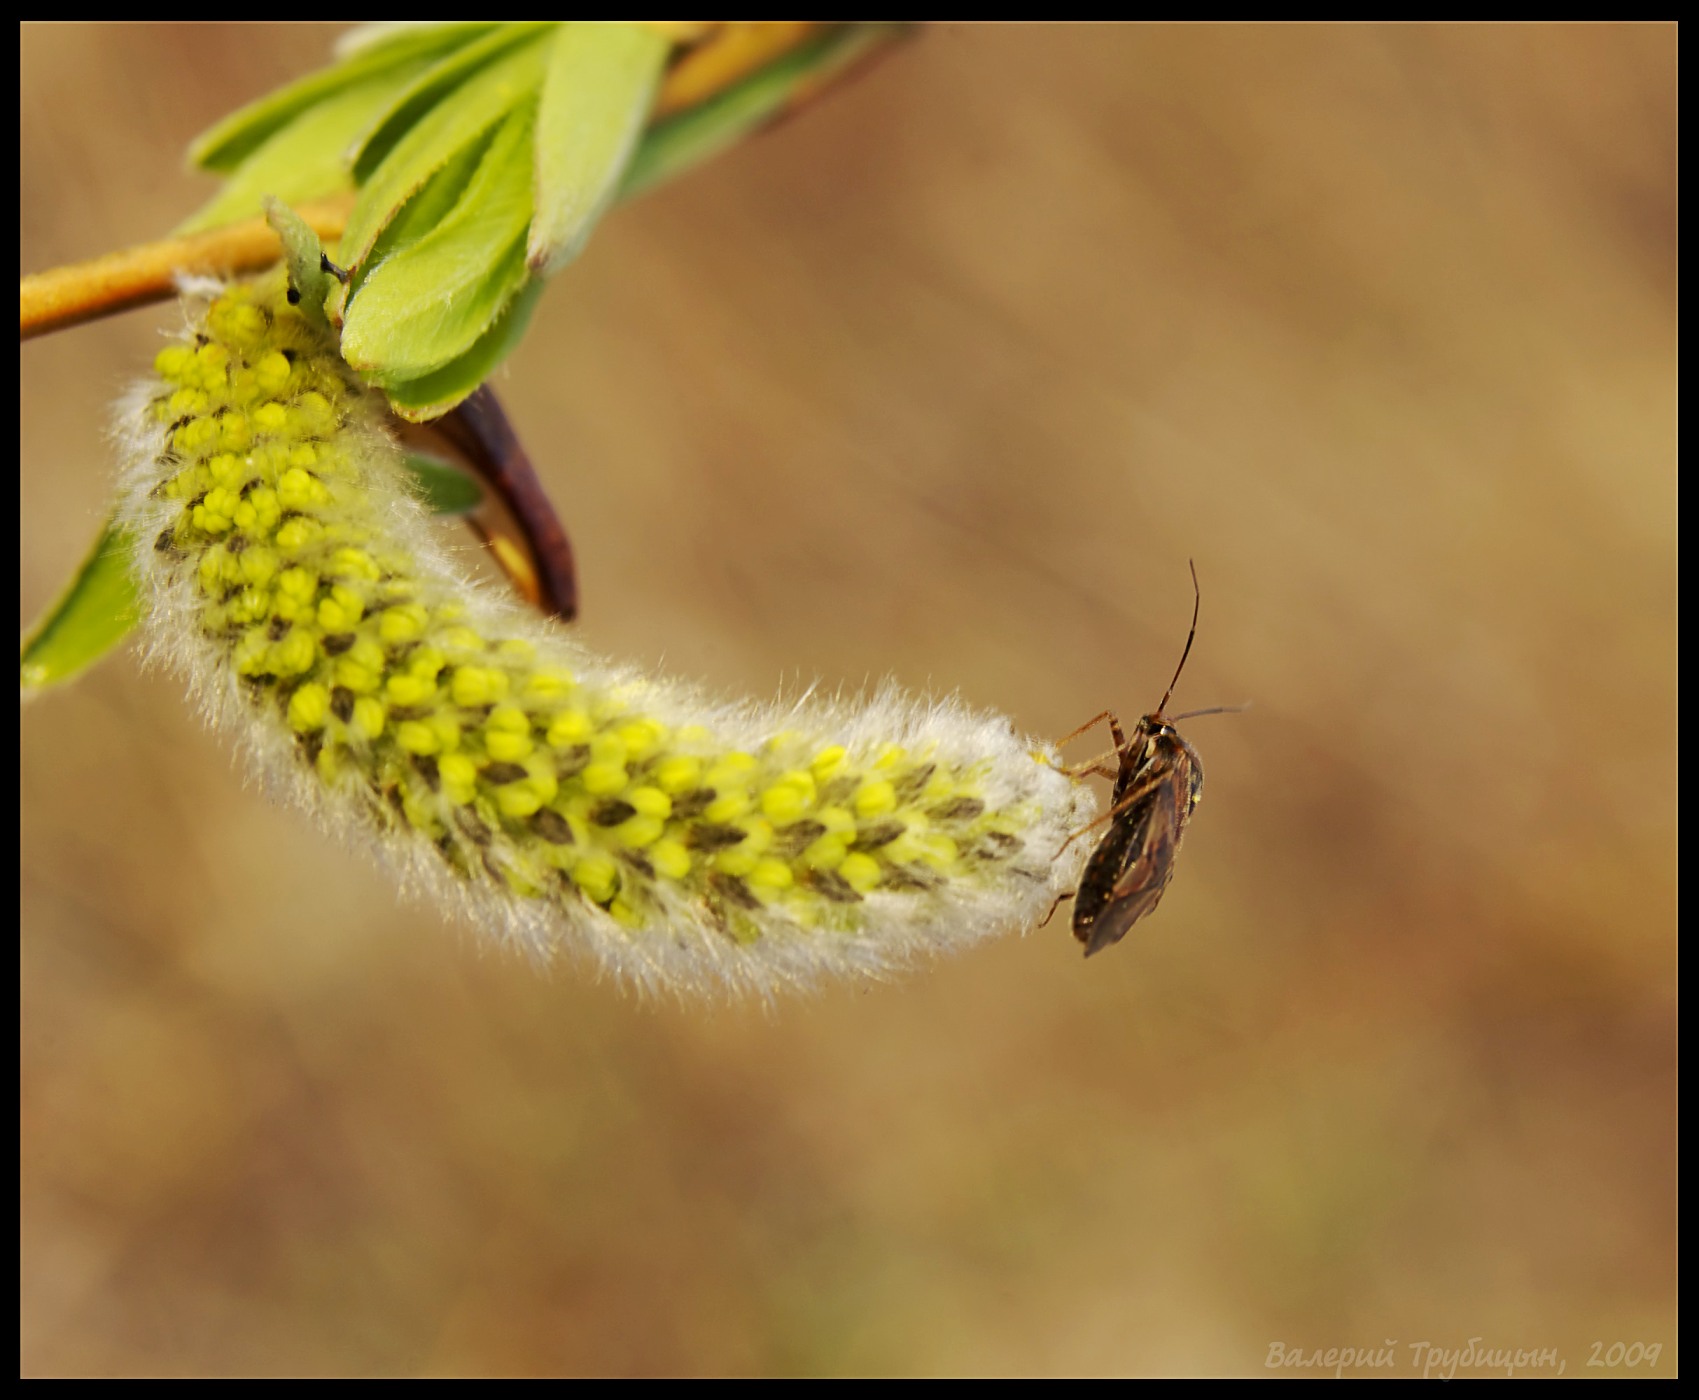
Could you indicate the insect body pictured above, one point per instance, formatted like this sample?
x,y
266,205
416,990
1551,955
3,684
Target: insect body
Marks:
x,y
1158,785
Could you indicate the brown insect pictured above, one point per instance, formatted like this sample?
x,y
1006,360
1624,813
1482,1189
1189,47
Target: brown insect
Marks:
x,y
1158,785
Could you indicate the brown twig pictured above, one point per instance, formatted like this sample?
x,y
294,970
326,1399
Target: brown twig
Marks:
x,y
684,31
540,562
481,431
728,56
721,55
68,296
872,53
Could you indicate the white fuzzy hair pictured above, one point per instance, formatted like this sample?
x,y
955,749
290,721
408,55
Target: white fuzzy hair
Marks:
x,y
682,949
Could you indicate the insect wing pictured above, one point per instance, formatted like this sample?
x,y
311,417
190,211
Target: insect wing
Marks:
x,y
1152,828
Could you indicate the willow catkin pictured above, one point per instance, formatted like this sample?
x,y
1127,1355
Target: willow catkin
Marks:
x,y
556,799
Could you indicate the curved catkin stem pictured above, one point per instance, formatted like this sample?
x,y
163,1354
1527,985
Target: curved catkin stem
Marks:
x,y
557,799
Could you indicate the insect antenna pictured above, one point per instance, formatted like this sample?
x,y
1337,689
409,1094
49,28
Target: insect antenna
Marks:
x,y
1212,710
1197,603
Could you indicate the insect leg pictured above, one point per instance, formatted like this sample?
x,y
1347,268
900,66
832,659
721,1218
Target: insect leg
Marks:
x,y
1054,907
1136,794
1079,770
1094,720
1093,766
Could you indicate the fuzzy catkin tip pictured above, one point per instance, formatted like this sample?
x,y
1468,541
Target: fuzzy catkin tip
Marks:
x,y
556,799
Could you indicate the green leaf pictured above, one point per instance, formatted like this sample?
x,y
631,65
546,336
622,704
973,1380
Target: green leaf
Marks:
x,y
380,34
303,160
425,210
436,136
429,302
445,488
674,146
310,280
427,93
92,616
483,158
596,98
239,135
420,400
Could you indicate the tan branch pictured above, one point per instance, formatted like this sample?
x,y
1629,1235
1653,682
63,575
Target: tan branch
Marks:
x,y
67,296
727,56
723,54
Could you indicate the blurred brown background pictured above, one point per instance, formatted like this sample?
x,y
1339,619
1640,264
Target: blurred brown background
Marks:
x,y
946,380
